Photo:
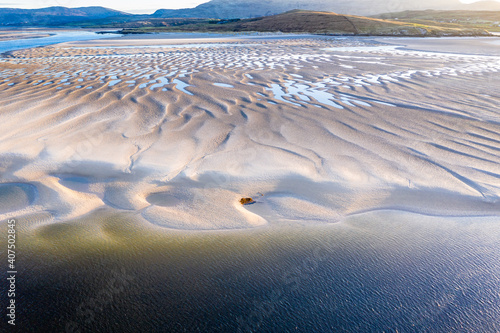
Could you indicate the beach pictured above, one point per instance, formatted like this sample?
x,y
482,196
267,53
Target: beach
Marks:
x,y
373,164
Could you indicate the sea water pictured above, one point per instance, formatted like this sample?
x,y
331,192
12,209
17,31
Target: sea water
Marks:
x,y
54,38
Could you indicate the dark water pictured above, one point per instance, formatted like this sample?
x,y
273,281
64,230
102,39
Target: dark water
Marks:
x,y
376,273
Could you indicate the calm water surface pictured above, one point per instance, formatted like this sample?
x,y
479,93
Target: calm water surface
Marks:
x,y
57,37
379,272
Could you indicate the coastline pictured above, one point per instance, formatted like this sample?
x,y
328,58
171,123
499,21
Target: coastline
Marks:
x,y
373,164
242,134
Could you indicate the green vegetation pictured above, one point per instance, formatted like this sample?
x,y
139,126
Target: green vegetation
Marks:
x,y
300,21
488,20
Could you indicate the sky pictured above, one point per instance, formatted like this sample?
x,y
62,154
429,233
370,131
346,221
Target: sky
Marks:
x,y
137,7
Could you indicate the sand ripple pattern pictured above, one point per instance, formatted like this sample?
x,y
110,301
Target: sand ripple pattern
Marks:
x,y
315,129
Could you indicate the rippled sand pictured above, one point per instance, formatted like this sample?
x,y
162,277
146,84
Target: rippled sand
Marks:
x,y
375,170
315,129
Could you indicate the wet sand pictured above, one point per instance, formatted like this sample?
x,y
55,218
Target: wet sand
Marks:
x,y
179,134
21,35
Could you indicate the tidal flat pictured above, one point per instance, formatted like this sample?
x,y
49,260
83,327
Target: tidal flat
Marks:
x,y
372,164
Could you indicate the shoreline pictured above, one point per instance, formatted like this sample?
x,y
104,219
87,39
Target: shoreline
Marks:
x,y
374,171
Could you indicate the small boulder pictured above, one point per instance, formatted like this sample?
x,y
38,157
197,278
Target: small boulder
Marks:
x,y
246,201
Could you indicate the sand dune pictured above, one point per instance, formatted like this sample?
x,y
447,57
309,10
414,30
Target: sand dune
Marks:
x,y
314,129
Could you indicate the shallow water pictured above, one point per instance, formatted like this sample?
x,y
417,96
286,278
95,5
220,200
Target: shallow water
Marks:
x,y
377,272
58,37
365,268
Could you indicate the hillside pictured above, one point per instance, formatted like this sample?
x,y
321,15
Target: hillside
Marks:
x,y
226,9
207,17
483,6
54,15
489,20
300,21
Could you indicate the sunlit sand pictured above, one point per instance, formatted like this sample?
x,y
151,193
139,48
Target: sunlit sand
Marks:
x,y
314,129
300,182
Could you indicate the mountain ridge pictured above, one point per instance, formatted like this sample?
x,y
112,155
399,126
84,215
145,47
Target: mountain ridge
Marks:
x,y
230,9
101,17
302,21
55,15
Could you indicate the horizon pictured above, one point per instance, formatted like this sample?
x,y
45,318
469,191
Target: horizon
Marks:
x,y
148,6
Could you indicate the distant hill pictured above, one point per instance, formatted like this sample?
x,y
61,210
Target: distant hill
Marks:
x,y
301,21
489,20
226,9
54,15
482,5
100,17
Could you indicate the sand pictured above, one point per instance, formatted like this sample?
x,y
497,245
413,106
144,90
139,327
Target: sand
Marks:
x,y
4,36
373,163
463,45
315,129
